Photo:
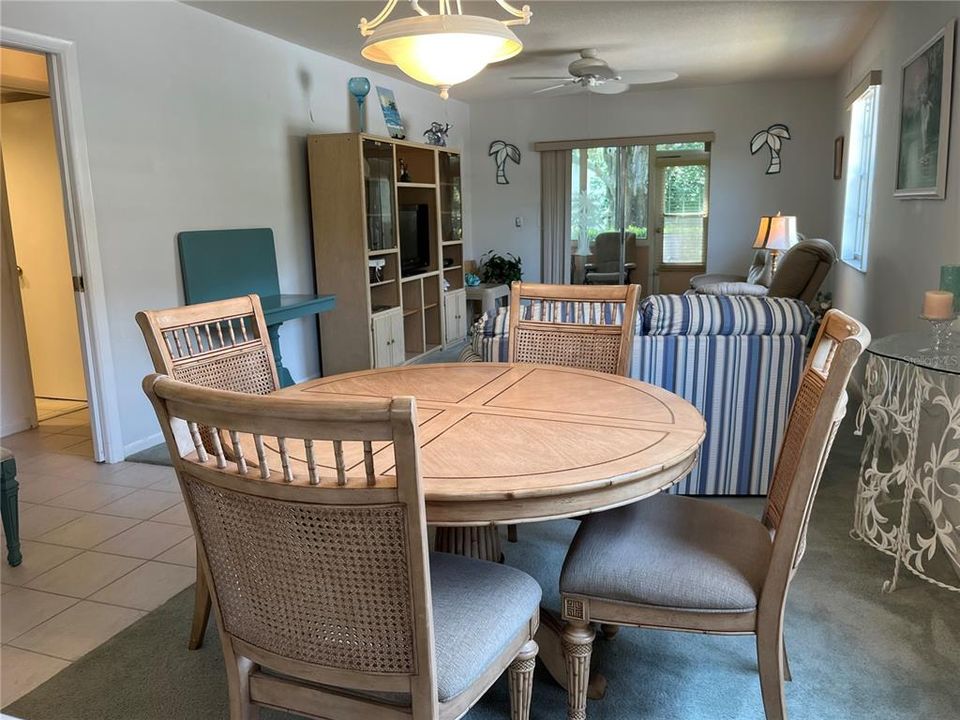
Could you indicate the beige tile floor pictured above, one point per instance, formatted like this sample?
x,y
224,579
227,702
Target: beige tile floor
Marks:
x,y
102,546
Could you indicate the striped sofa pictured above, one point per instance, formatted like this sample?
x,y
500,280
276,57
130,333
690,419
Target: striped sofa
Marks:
x,y
738,359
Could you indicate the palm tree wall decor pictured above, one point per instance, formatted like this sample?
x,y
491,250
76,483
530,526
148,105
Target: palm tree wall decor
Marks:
x,y
501,152
772,137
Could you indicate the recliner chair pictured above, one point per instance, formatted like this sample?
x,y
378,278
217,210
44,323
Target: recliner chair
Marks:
x,y
800,272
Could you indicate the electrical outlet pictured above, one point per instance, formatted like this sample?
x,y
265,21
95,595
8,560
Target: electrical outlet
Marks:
x,y
518,221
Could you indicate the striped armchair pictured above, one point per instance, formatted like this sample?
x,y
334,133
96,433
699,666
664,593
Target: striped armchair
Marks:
x,y
738,359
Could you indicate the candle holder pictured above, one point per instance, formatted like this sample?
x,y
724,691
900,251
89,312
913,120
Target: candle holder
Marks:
x,y
941,333
359,87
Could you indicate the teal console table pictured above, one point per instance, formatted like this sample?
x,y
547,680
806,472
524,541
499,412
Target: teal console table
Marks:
x,y
221,264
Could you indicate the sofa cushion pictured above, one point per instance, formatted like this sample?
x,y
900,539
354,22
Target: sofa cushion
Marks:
x,y
478,608
670,551
696,314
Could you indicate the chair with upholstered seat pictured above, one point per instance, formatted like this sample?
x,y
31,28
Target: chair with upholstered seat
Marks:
x,y
327,602
222,345
682,563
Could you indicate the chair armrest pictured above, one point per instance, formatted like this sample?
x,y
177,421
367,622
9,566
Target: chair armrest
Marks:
x,y
732,288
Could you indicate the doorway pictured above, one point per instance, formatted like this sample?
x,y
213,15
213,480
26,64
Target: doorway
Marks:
x,y
36,244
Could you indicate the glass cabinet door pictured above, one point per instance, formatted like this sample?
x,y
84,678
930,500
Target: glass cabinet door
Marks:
x,y
381,199
451,204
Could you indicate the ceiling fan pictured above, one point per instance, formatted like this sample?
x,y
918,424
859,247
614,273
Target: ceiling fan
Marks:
x,y
591,72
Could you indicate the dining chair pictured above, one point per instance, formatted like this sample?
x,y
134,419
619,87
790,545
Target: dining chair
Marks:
x,y
682,563
327,602
222,345
580,326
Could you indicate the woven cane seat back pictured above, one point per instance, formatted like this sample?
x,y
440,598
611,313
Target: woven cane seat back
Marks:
x,y
584,350
328,585
577,326
813,397
246,371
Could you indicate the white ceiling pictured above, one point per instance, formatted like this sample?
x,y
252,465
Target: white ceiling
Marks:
x,y
707,43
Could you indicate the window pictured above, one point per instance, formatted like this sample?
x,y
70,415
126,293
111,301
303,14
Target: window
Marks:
x,y
859,182
683,191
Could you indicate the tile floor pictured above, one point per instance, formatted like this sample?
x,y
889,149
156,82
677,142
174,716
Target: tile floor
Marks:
x,y
102,546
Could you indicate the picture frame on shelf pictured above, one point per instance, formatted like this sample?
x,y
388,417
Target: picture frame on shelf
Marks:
x,y
391,113
923,135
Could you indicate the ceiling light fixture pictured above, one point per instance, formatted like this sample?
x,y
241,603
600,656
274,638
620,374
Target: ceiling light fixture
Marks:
x,y
443,49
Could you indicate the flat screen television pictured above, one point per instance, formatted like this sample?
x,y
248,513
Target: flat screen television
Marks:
x,y
414,229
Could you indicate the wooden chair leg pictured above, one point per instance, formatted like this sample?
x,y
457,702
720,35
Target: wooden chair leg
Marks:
x,y
770,657
577,648
201,611
520,679
238,685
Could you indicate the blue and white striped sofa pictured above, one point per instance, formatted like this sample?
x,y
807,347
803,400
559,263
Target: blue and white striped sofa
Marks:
x,y
738,359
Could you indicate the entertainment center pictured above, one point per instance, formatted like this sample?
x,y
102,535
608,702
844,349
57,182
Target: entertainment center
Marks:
x,y
391,250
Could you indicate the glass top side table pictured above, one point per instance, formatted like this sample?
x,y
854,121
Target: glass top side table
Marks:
x,y
911,408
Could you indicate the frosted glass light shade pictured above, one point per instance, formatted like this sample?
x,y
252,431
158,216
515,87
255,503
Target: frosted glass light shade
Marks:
x,y
776,232
442,50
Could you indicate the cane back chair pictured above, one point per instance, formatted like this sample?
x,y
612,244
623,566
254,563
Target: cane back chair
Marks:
x,y
580,326
222,345
326,600
681,563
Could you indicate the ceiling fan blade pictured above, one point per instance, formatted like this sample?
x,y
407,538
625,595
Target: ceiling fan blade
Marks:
x,y
611,87
647,77
548,89
540,77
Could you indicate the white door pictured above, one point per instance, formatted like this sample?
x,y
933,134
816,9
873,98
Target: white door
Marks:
x,y
387,329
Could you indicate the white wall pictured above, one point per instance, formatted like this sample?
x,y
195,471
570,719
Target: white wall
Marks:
x,y
909,239
35,193
740,192
195,122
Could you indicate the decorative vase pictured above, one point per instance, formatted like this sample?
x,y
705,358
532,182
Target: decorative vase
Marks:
x,y
359,87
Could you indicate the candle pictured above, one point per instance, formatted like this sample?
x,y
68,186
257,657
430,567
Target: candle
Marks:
x,y
938,305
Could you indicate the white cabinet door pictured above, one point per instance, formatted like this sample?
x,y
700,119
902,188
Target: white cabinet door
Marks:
x,y
461,314
455,315
387,340
396,338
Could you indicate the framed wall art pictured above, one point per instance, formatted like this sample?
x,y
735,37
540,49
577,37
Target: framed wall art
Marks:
x,y
926,83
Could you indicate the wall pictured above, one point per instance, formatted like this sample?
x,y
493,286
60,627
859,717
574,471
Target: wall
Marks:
x,y
195,122
35,192
909,239
740,192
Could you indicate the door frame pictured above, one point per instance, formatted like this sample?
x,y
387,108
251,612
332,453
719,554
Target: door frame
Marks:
x,y
661,160
84,245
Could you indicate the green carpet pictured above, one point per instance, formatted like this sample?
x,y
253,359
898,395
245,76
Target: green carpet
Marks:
x,y
854,652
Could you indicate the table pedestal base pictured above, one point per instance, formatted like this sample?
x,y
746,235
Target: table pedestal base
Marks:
x,y
483,543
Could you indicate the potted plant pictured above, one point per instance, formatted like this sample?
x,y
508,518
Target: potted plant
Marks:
x,y
497,269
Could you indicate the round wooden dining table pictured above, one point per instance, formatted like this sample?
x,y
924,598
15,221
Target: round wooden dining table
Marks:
x,y
504,443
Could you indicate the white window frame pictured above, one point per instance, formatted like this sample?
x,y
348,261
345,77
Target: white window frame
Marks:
x,y
860,165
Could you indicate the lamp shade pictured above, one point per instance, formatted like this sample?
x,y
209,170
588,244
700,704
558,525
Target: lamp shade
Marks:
x,y
776,232
441,50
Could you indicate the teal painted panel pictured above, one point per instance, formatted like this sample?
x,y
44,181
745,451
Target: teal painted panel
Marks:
x,y
220,264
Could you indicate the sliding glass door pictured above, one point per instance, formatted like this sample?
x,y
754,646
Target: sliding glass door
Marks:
x,y
608,215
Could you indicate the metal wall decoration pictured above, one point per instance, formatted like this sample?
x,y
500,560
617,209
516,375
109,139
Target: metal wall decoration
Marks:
x,y
436,134
771,138
502,151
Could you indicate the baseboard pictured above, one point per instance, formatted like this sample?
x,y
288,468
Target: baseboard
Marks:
x,y
147,442
14,427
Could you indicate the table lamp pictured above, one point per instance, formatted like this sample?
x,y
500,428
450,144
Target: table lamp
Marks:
x,y
776,234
